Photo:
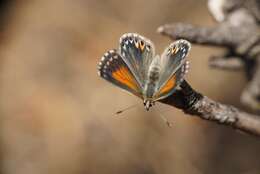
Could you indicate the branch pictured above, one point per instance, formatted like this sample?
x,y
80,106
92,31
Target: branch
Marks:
x,y
251,94
226,63
238,32
227,34
214,36
194,103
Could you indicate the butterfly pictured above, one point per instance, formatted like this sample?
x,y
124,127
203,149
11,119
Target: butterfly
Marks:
x,y
136,68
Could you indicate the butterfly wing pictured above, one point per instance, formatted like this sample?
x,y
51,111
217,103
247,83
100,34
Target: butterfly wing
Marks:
x,y
113,69
174,67
170,86
138,52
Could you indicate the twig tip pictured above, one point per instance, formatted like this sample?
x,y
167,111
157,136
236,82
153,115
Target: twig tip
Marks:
x,y
160,29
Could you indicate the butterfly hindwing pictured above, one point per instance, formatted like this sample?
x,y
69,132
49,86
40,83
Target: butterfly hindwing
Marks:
x,y
170,86
138,52
113,69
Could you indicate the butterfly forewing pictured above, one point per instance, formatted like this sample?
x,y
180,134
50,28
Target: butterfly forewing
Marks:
x,y
113,69
138,53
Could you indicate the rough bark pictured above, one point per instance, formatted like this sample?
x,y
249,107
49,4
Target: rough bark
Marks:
x,y
194,103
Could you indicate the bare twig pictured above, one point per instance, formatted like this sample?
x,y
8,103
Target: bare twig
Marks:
x,y
227,63
215,36
194,103
251,94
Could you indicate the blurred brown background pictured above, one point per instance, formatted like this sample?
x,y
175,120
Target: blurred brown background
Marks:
x,y
57,115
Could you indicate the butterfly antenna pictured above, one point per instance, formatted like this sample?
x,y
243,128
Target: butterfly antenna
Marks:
x,y
123,110
167,122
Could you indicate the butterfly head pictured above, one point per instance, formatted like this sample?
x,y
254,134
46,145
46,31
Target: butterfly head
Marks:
x,y
148,104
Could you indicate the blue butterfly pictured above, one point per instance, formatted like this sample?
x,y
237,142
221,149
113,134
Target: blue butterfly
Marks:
x,y
135,68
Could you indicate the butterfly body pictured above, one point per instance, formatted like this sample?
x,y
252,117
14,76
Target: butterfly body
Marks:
x,y
135,68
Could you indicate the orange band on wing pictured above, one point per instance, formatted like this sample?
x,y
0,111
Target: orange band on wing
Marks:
x,y
169,85
174,50
125,77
